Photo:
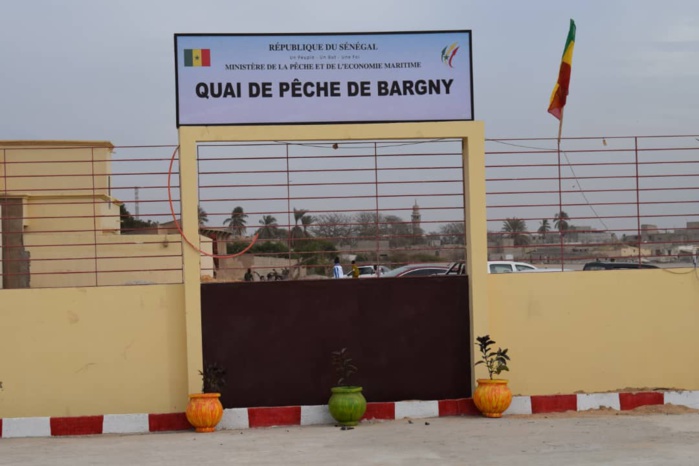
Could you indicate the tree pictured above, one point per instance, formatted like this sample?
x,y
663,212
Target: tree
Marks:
x,y
269,228
268,248
203,216
298,215
516,228
306,221
544,228
560,222
237,221
334,227
400,234
300,232
314,252
366,223
129,223
453,233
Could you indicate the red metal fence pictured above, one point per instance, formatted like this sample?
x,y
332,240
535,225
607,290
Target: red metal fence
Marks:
x,y
608,198
379,203
78,214
83,215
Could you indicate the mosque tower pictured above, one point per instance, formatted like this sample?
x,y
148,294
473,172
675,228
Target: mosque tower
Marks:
x,y
415,219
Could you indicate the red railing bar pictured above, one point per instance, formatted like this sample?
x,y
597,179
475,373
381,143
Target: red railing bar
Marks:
x,y
599,138
304,198
577,191
341,183
328,157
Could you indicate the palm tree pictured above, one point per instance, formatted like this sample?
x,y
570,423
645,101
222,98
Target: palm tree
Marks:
x,y
237,222
560,222
203,216
306,221
298,232
516,228
269,228
298,214
544,228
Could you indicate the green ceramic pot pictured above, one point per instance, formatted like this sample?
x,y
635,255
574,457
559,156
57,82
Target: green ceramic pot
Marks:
x,y
347,405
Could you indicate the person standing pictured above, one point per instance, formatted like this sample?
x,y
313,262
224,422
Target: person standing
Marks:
x,y
337,269
248,275
355,270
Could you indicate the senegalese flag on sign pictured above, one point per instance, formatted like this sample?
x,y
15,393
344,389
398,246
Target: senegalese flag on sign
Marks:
x,y
560,90
197,57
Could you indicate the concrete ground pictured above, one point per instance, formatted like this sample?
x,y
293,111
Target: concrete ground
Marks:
x,y
605,438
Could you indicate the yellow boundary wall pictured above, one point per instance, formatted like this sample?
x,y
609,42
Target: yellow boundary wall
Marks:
x,y
82,351
597,331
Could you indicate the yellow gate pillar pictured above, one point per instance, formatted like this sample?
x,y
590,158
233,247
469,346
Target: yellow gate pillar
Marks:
x,y
476,232
189,202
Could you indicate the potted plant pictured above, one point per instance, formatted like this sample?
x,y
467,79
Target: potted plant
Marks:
x,y
204,410
492,396
347,404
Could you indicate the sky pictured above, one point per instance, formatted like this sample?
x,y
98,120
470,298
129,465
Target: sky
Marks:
x,y
98,70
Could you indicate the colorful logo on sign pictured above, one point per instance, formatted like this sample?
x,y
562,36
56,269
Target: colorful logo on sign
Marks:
x,y
448,53
197,57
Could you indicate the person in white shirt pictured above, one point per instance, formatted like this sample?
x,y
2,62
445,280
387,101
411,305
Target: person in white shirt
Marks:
x,y
337,269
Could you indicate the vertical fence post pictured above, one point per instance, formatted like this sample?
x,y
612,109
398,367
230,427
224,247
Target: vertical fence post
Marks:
x,y
94,215
3,278
376,191
288,204
638,200
560,206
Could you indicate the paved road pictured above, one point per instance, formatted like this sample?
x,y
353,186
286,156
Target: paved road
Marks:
x,y
527,440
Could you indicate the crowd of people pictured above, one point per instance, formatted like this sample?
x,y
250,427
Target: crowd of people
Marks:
x,y
337,272
271,276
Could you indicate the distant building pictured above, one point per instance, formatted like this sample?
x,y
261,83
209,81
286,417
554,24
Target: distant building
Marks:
x,y
588,235
61,223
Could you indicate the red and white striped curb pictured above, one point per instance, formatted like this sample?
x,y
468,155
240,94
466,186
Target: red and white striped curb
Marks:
x,y
244,418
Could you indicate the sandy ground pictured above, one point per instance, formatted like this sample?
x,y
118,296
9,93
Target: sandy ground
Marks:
x,y
658,435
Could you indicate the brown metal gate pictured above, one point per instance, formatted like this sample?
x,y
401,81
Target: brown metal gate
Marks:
x,y
409,337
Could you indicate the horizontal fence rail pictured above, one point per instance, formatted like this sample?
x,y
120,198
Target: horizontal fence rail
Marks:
x,y
610,199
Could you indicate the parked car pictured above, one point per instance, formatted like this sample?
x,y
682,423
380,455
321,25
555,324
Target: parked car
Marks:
x,y
367,271
600,265
459,268
509,267
418,270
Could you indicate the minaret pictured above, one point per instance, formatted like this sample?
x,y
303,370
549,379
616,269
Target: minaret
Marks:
x,y
415,218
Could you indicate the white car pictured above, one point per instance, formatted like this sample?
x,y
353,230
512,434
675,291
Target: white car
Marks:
x,y
509,267
459,268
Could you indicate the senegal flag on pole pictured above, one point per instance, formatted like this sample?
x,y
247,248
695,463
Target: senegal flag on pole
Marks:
x,y
560,90
197,57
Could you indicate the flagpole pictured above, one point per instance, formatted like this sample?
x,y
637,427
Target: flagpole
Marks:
x,y
560,191
556,105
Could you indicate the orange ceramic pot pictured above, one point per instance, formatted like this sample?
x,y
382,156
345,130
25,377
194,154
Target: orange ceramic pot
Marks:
x,y
204,411
492,397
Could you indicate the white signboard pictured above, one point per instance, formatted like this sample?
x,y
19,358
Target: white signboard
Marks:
x,y
323,78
